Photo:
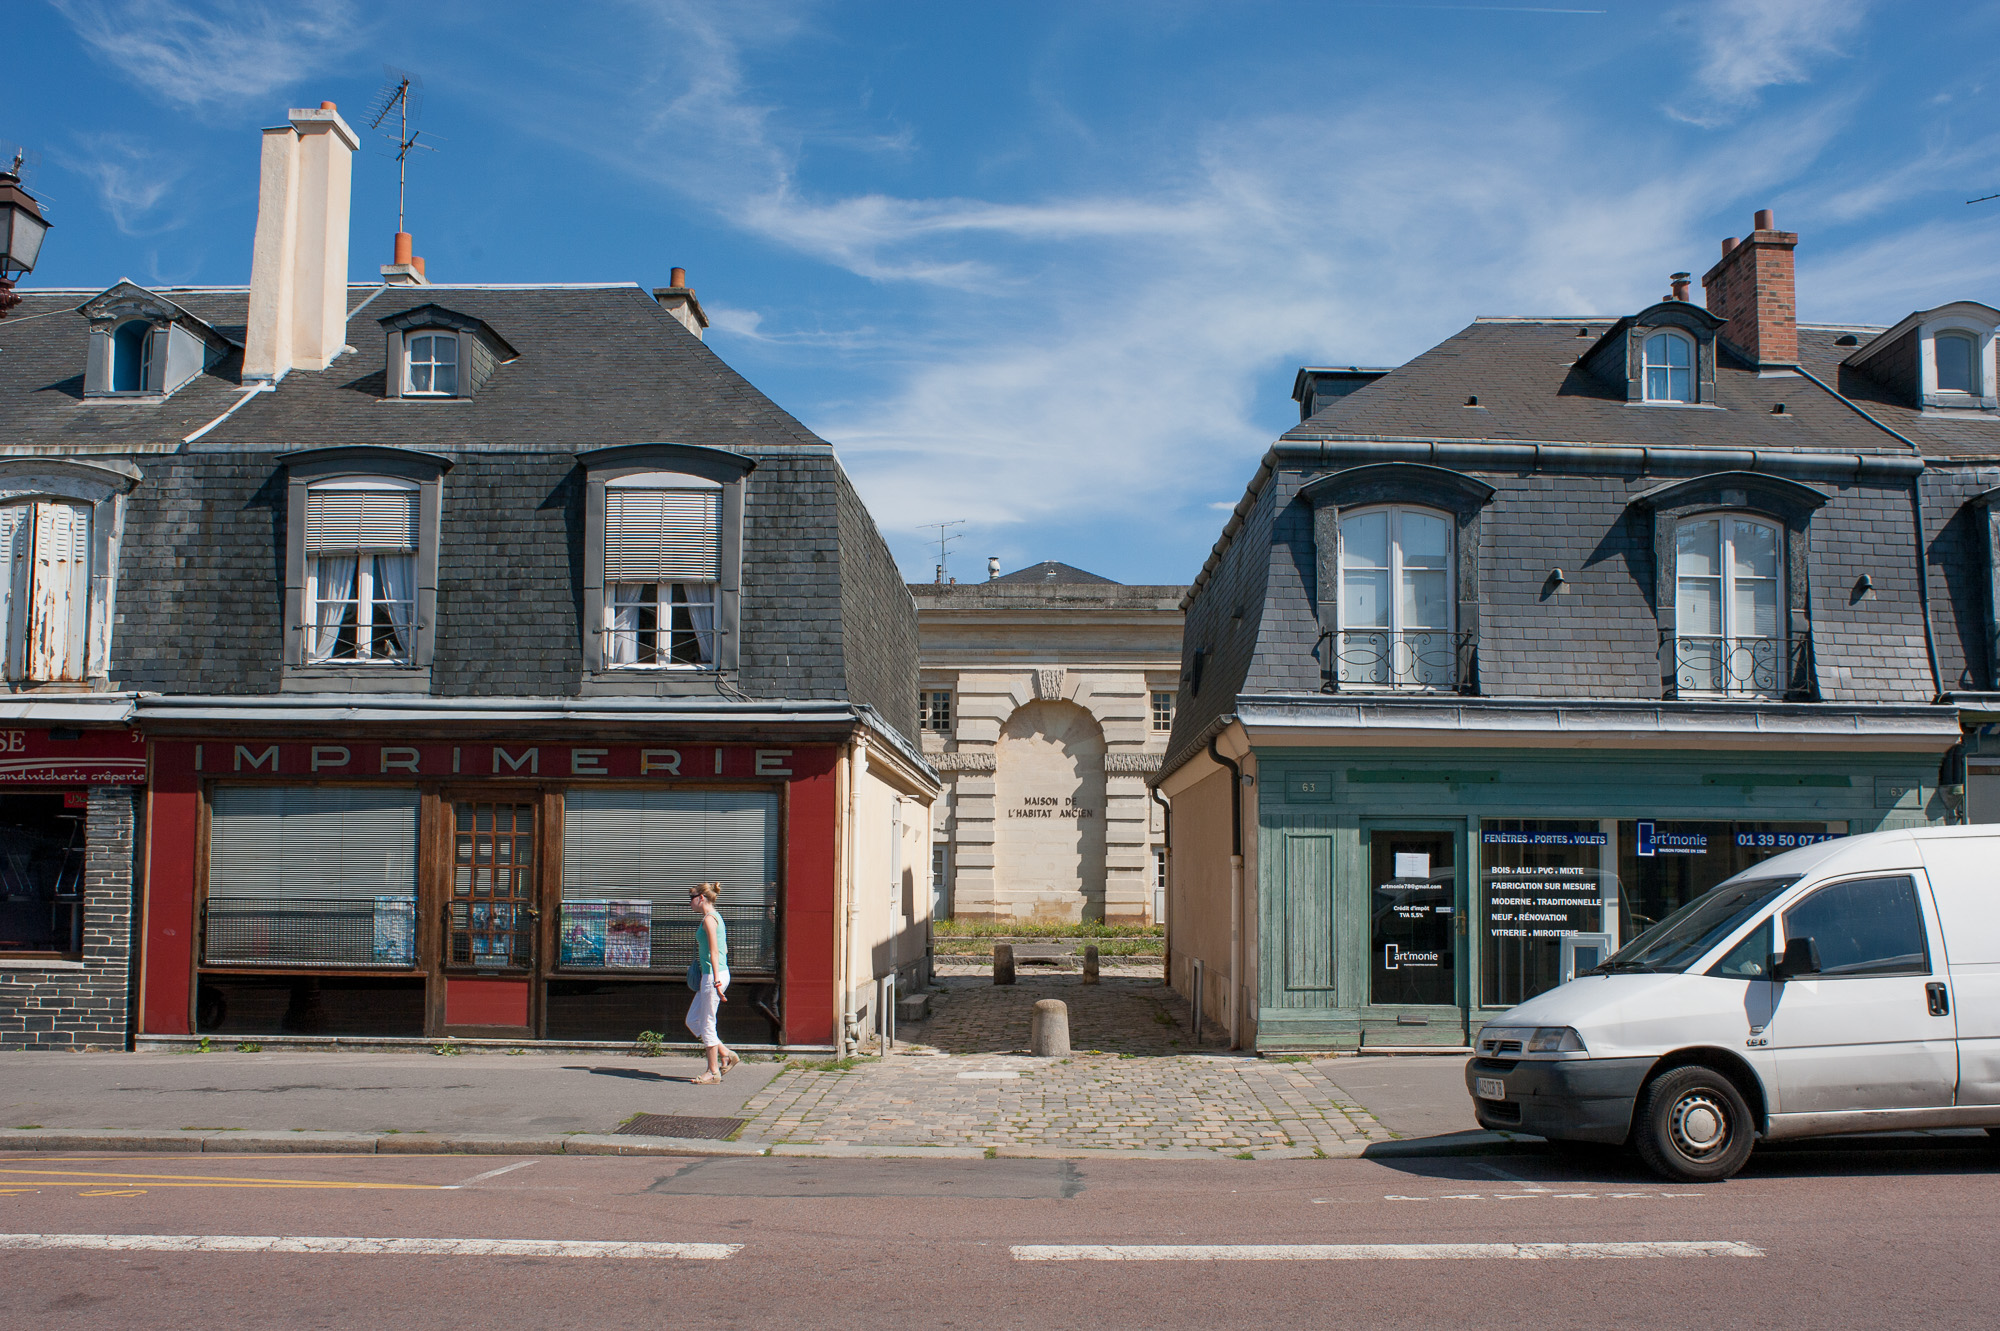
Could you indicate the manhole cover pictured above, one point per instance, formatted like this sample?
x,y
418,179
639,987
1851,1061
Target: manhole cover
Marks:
x,y
678,1125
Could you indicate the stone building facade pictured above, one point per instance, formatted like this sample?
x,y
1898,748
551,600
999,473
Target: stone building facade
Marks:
x,y
1046,701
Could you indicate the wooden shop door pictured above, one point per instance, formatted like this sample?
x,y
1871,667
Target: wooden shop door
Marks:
x,y
492,916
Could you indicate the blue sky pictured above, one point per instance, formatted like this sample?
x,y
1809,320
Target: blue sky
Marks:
x,y
1049,268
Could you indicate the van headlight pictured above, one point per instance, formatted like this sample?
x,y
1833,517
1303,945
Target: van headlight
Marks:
x,y
1555,1040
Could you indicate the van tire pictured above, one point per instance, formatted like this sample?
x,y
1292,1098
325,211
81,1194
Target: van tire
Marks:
x,y
1693,1126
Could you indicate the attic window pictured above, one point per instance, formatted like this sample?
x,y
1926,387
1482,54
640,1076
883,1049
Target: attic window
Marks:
x,y
1669,368
132,356
432,365
1957,367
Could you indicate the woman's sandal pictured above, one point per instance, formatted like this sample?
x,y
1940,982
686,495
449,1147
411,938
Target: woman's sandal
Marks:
x,y
729,1063
708,1079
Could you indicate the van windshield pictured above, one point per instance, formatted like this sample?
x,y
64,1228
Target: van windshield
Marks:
x,y
1678,941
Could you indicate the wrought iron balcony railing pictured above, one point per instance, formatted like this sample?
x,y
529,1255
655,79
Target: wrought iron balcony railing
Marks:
x,y
1368,660
1706,665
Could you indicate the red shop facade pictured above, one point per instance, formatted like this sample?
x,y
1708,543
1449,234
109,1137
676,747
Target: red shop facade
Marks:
x,y
514,888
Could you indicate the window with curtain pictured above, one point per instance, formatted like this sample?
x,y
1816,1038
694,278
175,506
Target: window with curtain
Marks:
x,y
431,364
1669,368
1728,605
45,602
662,559
1396,600
361,596
311,876
1957,366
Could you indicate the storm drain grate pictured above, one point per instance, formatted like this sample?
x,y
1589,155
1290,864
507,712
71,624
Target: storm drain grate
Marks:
x,y
679,1125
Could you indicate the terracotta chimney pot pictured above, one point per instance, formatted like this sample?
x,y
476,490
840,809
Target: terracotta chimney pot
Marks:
x,y
678,278
403,247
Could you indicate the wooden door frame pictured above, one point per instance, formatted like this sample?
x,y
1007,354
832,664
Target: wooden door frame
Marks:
x,y
541,798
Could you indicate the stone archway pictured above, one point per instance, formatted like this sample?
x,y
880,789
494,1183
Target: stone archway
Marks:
x,y
1049,814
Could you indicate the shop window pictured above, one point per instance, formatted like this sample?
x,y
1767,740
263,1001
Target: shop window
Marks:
x,y
1728,607
311,876
934,711
1541,881
1396,600
1663,865
42,845
45,601
663,571
629,858
361,568
1396,562
1163,710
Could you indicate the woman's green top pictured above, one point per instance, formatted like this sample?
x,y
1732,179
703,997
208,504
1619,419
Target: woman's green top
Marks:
x,y
701,945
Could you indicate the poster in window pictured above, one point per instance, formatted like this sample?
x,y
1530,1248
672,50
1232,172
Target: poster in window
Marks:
x,y
628,934
583,933
492,933
395,930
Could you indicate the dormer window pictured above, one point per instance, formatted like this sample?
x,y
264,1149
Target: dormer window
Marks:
x,y
132,356
1669,368
1957,367
438,354
432,364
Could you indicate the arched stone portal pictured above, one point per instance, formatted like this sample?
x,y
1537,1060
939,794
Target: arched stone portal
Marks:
x,y
1050,814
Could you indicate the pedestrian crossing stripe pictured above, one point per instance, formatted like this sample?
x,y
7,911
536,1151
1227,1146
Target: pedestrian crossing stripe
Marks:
x,y
1369,1252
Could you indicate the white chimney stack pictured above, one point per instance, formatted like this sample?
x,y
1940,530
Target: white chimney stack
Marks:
x,y
298,270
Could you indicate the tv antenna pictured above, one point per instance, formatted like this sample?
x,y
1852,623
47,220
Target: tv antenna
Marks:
x,y
401,98
945,536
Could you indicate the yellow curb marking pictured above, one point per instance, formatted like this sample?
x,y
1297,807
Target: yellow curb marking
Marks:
x,y
209,1181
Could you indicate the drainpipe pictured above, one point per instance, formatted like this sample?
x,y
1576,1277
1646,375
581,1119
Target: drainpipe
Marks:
x,y
1235,888
1167,845
857,761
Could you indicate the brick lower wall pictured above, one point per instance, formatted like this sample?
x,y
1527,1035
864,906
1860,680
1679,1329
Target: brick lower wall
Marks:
x,y
87,1008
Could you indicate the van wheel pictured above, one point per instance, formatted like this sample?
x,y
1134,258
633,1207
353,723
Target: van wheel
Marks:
x,y
1692,1126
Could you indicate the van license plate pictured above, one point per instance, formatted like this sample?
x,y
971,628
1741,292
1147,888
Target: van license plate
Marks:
x,y
1489,1088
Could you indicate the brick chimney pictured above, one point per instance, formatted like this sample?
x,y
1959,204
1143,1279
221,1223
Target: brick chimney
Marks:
x,y
1752,288
298,269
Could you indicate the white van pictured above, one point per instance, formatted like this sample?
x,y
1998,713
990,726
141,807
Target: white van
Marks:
x,y
1849,986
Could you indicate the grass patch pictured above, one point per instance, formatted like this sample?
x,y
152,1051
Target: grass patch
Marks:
x,y
517,1053
1034,929
847,1064
249,1047
1245,1155
27,1127
446,1050
992,1153
650,1044
1288,1058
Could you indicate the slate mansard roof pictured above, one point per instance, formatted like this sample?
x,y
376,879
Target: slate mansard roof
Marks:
x,y
200,596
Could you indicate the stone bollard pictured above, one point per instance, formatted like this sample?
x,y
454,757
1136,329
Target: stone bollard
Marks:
x,y
1090,965
1003,963
1048,1029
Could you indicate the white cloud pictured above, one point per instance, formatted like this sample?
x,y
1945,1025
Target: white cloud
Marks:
x,y
134,183
1747,46
226,51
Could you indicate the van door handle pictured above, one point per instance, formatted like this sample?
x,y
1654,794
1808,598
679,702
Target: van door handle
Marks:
x,y
1940,1002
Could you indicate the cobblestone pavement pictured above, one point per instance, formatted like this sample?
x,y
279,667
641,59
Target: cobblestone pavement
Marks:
x,y
1134,1083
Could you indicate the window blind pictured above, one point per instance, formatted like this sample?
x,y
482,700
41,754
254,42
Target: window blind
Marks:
x,y
652,535
653,845
361,520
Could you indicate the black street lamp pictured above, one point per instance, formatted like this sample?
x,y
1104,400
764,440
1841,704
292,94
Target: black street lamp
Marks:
x,y
21,230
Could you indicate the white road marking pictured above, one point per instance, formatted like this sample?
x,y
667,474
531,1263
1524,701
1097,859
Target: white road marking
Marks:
x,y
1364,1252
491,1173
314,1243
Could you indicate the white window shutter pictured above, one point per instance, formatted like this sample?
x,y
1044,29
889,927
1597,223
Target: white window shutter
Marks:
x,y
58,592
654,535
17,525
361,520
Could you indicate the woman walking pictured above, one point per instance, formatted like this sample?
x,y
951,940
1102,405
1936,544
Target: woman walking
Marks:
x,y
711,941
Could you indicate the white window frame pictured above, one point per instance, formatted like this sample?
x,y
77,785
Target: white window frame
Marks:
x,y
1983,396
145,357
98,489
1647,366
1163,715
364,599
1406,669
1732,658
456,363
47,587
673,594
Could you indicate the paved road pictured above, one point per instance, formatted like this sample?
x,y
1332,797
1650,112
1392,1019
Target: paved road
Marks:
x,y
1834,1237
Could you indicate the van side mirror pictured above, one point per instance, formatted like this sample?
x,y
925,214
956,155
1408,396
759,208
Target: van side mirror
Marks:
x,y
1801,958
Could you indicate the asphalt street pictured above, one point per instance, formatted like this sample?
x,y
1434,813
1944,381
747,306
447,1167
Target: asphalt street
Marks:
x,y
1884,1234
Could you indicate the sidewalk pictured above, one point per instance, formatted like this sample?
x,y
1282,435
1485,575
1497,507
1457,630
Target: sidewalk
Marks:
x,y
963,1084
